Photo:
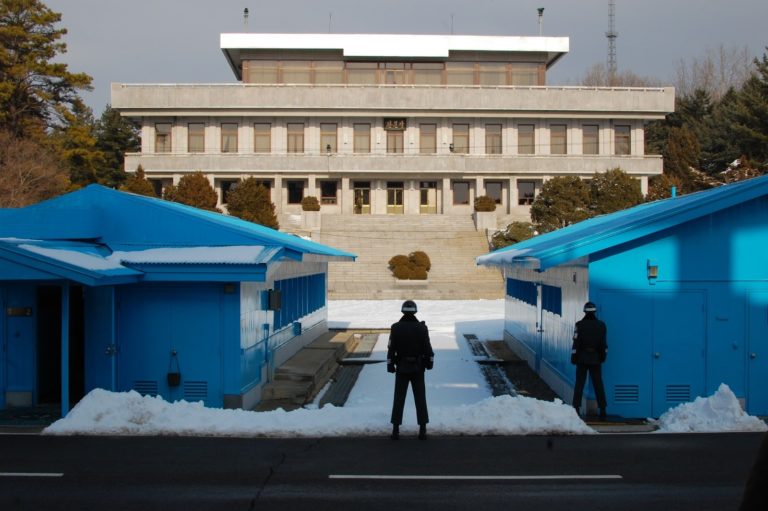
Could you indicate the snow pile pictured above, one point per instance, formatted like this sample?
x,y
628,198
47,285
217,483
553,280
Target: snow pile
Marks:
x,y
128,413
719,412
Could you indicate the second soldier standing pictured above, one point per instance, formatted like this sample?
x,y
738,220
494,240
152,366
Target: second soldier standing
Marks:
x,y
409,353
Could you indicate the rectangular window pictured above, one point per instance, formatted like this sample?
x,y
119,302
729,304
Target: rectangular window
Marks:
x,y
522,290
163,137
296,71
622,140
395,141
395,73
526,139
427,73
262,71
552,299
493,73
558,139
328,192
364,73
590,139
460,193
295,191
328,138
460,73
295,137
427,138
329,72
525,74
361,142
226,187
493,190
461,138
196,137
262,137
526,192
228,137
493,139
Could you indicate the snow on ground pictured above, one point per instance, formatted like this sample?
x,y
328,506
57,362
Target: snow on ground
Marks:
x,y
459,401
717,413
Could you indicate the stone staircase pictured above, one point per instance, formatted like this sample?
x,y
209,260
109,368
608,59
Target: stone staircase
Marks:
x,y
451,242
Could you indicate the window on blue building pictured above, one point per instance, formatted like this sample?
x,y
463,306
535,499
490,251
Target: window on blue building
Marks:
x,y
299,296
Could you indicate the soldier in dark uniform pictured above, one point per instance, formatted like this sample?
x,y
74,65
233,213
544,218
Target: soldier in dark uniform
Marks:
x,y
409,353
590,349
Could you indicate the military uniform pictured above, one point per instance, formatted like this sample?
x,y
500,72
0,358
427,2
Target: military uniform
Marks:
x,y
409,353
590,349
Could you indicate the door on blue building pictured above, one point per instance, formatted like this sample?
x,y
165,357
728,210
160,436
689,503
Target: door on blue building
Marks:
x,y
656,355
3,349
757,353
48,361
164,329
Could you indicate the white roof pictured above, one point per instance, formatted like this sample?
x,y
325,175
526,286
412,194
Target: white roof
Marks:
x,y
394,45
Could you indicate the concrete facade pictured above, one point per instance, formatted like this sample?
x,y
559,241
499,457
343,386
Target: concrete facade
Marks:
x,y
402,170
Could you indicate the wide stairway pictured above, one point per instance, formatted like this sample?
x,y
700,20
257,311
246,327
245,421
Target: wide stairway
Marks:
x,y
451,242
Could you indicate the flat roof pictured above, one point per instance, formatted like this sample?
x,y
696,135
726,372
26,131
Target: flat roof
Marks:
x,y
390,45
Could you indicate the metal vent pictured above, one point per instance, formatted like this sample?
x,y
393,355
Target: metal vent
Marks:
x,y
145,387
195,390
626,393
678,393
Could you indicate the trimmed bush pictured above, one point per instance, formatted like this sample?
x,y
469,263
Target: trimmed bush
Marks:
x,y
420,259
485,203
414,266
310,203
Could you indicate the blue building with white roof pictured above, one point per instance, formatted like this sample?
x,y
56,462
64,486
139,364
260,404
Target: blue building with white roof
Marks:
x,y
101,288
682,285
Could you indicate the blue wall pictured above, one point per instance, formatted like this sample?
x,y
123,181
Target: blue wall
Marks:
x,y
689,328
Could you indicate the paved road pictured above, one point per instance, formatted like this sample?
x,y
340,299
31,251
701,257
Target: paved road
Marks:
x,y
610,472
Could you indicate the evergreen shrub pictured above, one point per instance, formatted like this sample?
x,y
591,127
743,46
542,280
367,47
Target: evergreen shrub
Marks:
x,y
414,266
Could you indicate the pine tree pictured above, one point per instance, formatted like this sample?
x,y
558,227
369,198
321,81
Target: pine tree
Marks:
x,y
194,190
76,143
613,190
564,200
660,187
681,156
35,90
115,135
138,183
750,115
250,201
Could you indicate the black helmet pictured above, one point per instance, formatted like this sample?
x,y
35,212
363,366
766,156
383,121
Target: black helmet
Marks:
x,y
590,307
409,306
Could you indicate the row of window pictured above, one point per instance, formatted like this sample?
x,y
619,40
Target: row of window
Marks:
x,y
299,296
395,138
525,291
329,191
487,74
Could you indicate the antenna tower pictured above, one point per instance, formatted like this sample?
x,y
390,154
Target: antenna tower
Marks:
x,y
611,35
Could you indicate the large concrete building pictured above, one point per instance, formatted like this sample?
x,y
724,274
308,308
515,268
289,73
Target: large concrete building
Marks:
x,y
391,124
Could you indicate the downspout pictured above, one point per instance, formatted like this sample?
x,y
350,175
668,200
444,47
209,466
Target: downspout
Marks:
x,y
64,349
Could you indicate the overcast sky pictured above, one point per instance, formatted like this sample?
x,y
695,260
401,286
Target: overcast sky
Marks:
x,y
177,41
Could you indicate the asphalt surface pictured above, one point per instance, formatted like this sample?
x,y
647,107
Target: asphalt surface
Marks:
x,y
596,472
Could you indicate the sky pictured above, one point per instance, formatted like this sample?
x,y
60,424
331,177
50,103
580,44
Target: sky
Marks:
x,y
177,41
460,403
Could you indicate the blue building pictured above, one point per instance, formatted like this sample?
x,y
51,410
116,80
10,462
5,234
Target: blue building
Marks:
x,y
682,285
101,288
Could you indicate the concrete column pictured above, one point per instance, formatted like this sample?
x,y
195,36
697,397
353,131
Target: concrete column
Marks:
x,y
447,201
347,197
312,186
277,194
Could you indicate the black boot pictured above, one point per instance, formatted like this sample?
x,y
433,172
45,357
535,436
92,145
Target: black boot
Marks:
x,y
423,432
602,414
395,432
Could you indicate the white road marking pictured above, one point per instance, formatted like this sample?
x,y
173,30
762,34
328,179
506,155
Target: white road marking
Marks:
x,y
31,474
480,478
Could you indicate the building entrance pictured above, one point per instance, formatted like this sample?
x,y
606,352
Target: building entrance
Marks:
x,y
428,198
395,198
362,198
